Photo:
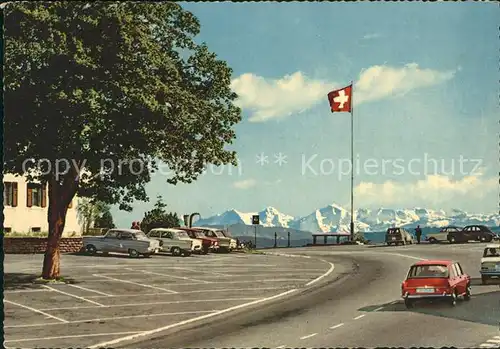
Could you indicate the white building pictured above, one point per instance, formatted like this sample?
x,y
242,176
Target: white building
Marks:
x,y
25,208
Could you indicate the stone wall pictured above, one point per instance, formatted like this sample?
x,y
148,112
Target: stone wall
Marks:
x,y
21,245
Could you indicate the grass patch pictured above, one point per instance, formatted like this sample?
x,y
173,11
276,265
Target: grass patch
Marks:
x,y
59,280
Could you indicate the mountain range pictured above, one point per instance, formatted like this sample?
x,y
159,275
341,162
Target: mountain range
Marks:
x,y
334,218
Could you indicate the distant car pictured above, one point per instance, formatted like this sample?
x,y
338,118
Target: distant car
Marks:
x,y
479,233
175,241
490,263
442,235
435,279
226,244
398,236
131,241
208,244
472,232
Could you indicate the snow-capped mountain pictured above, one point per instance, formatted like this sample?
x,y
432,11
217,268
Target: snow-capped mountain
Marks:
x,y
269,217
334,218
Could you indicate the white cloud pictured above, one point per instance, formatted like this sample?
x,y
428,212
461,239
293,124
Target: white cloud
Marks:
x,y
434,190
372,36
245,184
276,98
379,81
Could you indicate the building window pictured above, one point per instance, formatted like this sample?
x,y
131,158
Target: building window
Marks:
x,y
10,194
35,195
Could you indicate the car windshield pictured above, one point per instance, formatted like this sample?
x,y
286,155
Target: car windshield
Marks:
x,y
182,234
491,252
219,234
227,234
393,231
428,271
141,236
199,234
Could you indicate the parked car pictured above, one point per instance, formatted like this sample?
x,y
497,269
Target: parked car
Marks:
x,y
226,244
436,279
472,232
131,241
490,263
480,233
175,241
398,236
443,234
208,244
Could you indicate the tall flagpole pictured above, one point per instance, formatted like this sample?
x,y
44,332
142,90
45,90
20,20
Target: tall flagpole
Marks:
x,y
352,162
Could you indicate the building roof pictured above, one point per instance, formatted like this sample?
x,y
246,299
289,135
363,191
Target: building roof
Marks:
x,y
434,261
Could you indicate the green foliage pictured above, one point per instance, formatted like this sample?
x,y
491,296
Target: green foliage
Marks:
x,y
89,211
158,217
105,220
101,83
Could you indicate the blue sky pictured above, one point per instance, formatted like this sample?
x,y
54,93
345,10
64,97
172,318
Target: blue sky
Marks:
x,y
426,86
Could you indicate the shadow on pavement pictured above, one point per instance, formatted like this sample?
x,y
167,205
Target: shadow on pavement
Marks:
x,y
482,308
21,281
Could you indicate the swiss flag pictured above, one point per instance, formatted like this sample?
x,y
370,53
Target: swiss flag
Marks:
x,y
340,100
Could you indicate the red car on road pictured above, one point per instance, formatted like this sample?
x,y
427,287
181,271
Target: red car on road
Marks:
x,y
208,244
436,279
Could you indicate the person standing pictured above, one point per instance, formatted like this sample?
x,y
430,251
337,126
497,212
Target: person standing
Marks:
x,y
418,233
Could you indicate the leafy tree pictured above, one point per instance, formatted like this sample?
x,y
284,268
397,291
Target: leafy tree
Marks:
x,y
97,94
105,221
88,212
158,217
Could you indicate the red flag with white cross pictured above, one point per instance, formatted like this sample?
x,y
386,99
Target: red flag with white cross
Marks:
x,y
340,100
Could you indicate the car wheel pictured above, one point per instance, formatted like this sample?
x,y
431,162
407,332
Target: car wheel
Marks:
x,y
489,238
432,240
205,250
453,298
452,240
409,303
91,249
133,253
484,279
467,293
176,251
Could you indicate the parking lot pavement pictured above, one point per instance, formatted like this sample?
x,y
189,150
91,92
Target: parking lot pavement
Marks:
x,y
106,298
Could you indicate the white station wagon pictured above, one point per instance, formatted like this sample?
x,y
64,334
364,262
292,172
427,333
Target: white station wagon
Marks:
x,y
175,241
490,263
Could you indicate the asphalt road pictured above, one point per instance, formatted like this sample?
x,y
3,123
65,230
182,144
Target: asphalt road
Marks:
x,y
361,307
108,299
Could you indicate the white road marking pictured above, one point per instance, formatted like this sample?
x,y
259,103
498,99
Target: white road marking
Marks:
x,y
488,345
379,308
395,302
36,311
406,256
242,282
207,316
73,336
497,341
337,326
205,272
135,283
154,303
112,318
308,336
88,289
281,346
23,291
359,316
171,276
194,291
328,272
72,295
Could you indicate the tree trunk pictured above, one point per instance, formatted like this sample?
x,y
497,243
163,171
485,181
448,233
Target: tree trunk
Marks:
x,y
60,195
